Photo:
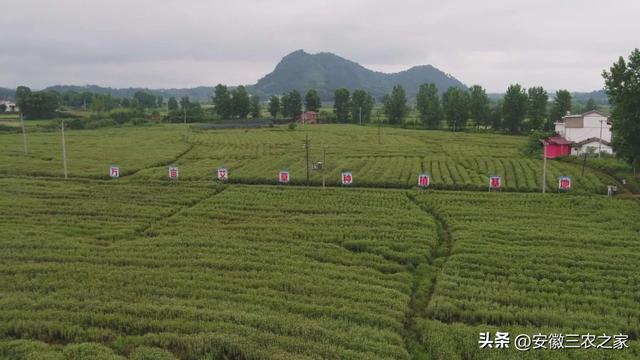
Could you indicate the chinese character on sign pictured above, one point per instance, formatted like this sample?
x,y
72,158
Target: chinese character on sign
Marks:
x,y
495,182
223,174
283,177
564,183
173,173
347,178
423,180
114,172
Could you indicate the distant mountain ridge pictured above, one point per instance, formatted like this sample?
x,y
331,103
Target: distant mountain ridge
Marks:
x,y
327,72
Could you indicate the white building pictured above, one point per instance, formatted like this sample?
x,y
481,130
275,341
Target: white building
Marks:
x,y
10,106
590,132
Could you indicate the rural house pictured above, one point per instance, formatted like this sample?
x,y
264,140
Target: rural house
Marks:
x,y
309,117
556,146
589,132
9,106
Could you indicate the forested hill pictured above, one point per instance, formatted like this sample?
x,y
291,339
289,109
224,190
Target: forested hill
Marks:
x,y
326,72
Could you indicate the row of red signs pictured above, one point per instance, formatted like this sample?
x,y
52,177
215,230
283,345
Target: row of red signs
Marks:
x,y
424,180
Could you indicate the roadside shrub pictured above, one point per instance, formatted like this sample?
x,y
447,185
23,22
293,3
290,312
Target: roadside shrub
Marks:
x,y
292,126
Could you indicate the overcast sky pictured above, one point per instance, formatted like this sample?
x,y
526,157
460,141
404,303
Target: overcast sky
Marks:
x,y
185,43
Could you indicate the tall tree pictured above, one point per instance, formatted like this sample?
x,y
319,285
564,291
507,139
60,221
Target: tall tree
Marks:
x,y
537,108
561,104
145,99
496,116
185,102
312,101
395,105
622,84
479,105
240,102
285,103
22,92
590,105
341,102
428,105
361,106
274,106
159,101
222,101
172,104
514,108
455,103
295,104
40,104
254,109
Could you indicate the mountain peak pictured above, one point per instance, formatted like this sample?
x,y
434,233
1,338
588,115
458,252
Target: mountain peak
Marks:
x,y
326,72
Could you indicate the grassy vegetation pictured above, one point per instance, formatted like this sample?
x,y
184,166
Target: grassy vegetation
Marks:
x,y
529,263
146,268
460,161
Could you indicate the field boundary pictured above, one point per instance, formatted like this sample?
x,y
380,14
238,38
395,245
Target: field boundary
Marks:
x,y
428,275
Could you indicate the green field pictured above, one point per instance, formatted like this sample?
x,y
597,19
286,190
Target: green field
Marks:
x,y
147,268
458,161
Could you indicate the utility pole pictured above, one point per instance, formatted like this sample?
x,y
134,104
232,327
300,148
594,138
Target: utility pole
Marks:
x,y
306,147
64,151
600,141
544,168
324,161
24,134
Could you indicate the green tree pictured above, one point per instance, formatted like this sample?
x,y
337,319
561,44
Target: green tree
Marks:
x,y
145,99
240,102
537,107
395,105
285,103
159,101
312,101
479,106
590,105
172,104
254,109
455,104
22,93
361,105
103,103
39,104
428,105
274,106
295,104
222,102
561,105
496,116
514,108
341,104
622,84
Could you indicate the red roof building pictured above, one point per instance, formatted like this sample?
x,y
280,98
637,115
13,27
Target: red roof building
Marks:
x,y
556,146
309,117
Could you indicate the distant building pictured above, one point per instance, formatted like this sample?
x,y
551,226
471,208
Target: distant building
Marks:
x,y
556,146
309,117
10,106
586,131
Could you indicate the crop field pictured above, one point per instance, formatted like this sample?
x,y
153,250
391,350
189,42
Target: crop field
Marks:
x,y
530,263
147,268
191,270
457,161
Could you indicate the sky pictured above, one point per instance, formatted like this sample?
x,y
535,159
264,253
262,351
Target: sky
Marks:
x,y
558,44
